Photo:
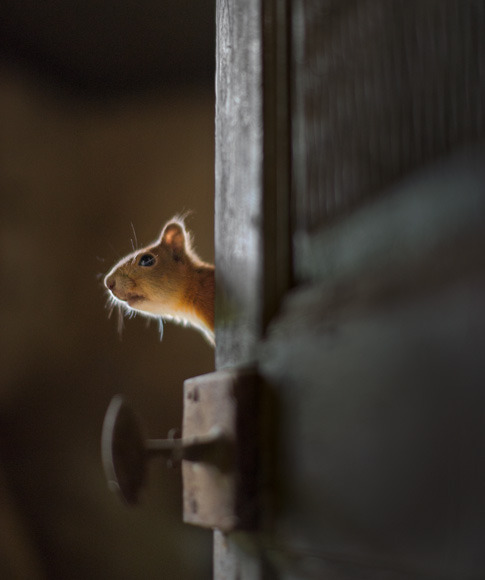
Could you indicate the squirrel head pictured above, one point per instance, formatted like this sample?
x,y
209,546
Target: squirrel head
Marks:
x,y
164,279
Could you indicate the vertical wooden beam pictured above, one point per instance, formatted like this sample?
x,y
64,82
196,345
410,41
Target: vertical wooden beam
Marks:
x,y
239,180
238,217
252,208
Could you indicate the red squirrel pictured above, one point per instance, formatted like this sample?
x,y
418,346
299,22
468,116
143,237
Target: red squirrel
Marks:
x,y
166,280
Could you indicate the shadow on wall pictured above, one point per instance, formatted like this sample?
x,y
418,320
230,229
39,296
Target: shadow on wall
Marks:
x,y
74,177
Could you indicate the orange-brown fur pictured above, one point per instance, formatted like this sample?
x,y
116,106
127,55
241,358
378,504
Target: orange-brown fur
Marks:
x,y
178,285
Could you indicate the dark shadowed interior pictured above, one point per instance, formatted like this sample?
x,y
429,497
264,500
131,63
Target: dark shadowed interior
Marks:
x,y
106,124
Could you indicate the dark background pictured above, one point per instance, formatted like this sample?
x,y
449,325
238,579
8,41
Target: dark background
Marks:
x,y
106,120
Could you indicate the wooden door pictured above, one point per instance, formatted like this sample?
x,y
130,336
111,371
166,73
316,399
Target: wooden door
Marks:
x,y
350,260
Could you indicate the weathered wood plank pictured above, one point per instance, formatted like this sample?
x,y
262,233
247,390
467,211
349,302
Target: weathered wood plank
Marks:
x,y
239,181
379,88
239,222
378,367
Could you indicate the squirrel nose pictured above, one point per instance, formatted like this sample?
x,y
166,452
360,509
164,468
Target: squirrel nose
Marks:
x,y
110,283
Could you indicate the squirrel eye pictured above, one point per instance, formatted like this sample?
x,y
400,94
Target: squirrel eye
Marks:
x,y
147,260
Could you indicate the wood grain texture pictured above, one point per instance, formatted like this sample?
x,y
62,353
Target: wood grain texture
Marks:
x,y
239,181
239,232
379,88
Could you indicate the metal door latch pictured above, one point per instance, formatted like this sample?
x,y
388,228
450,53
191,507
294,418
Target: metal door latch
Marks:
x,y
218,450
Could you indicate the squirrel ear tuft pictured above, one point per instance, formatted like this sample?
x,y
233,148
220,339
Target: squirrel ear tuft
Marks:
x,y
173,236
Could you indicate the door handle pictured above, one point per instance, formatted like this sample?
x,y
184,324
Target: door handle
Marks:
x,y
218,450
